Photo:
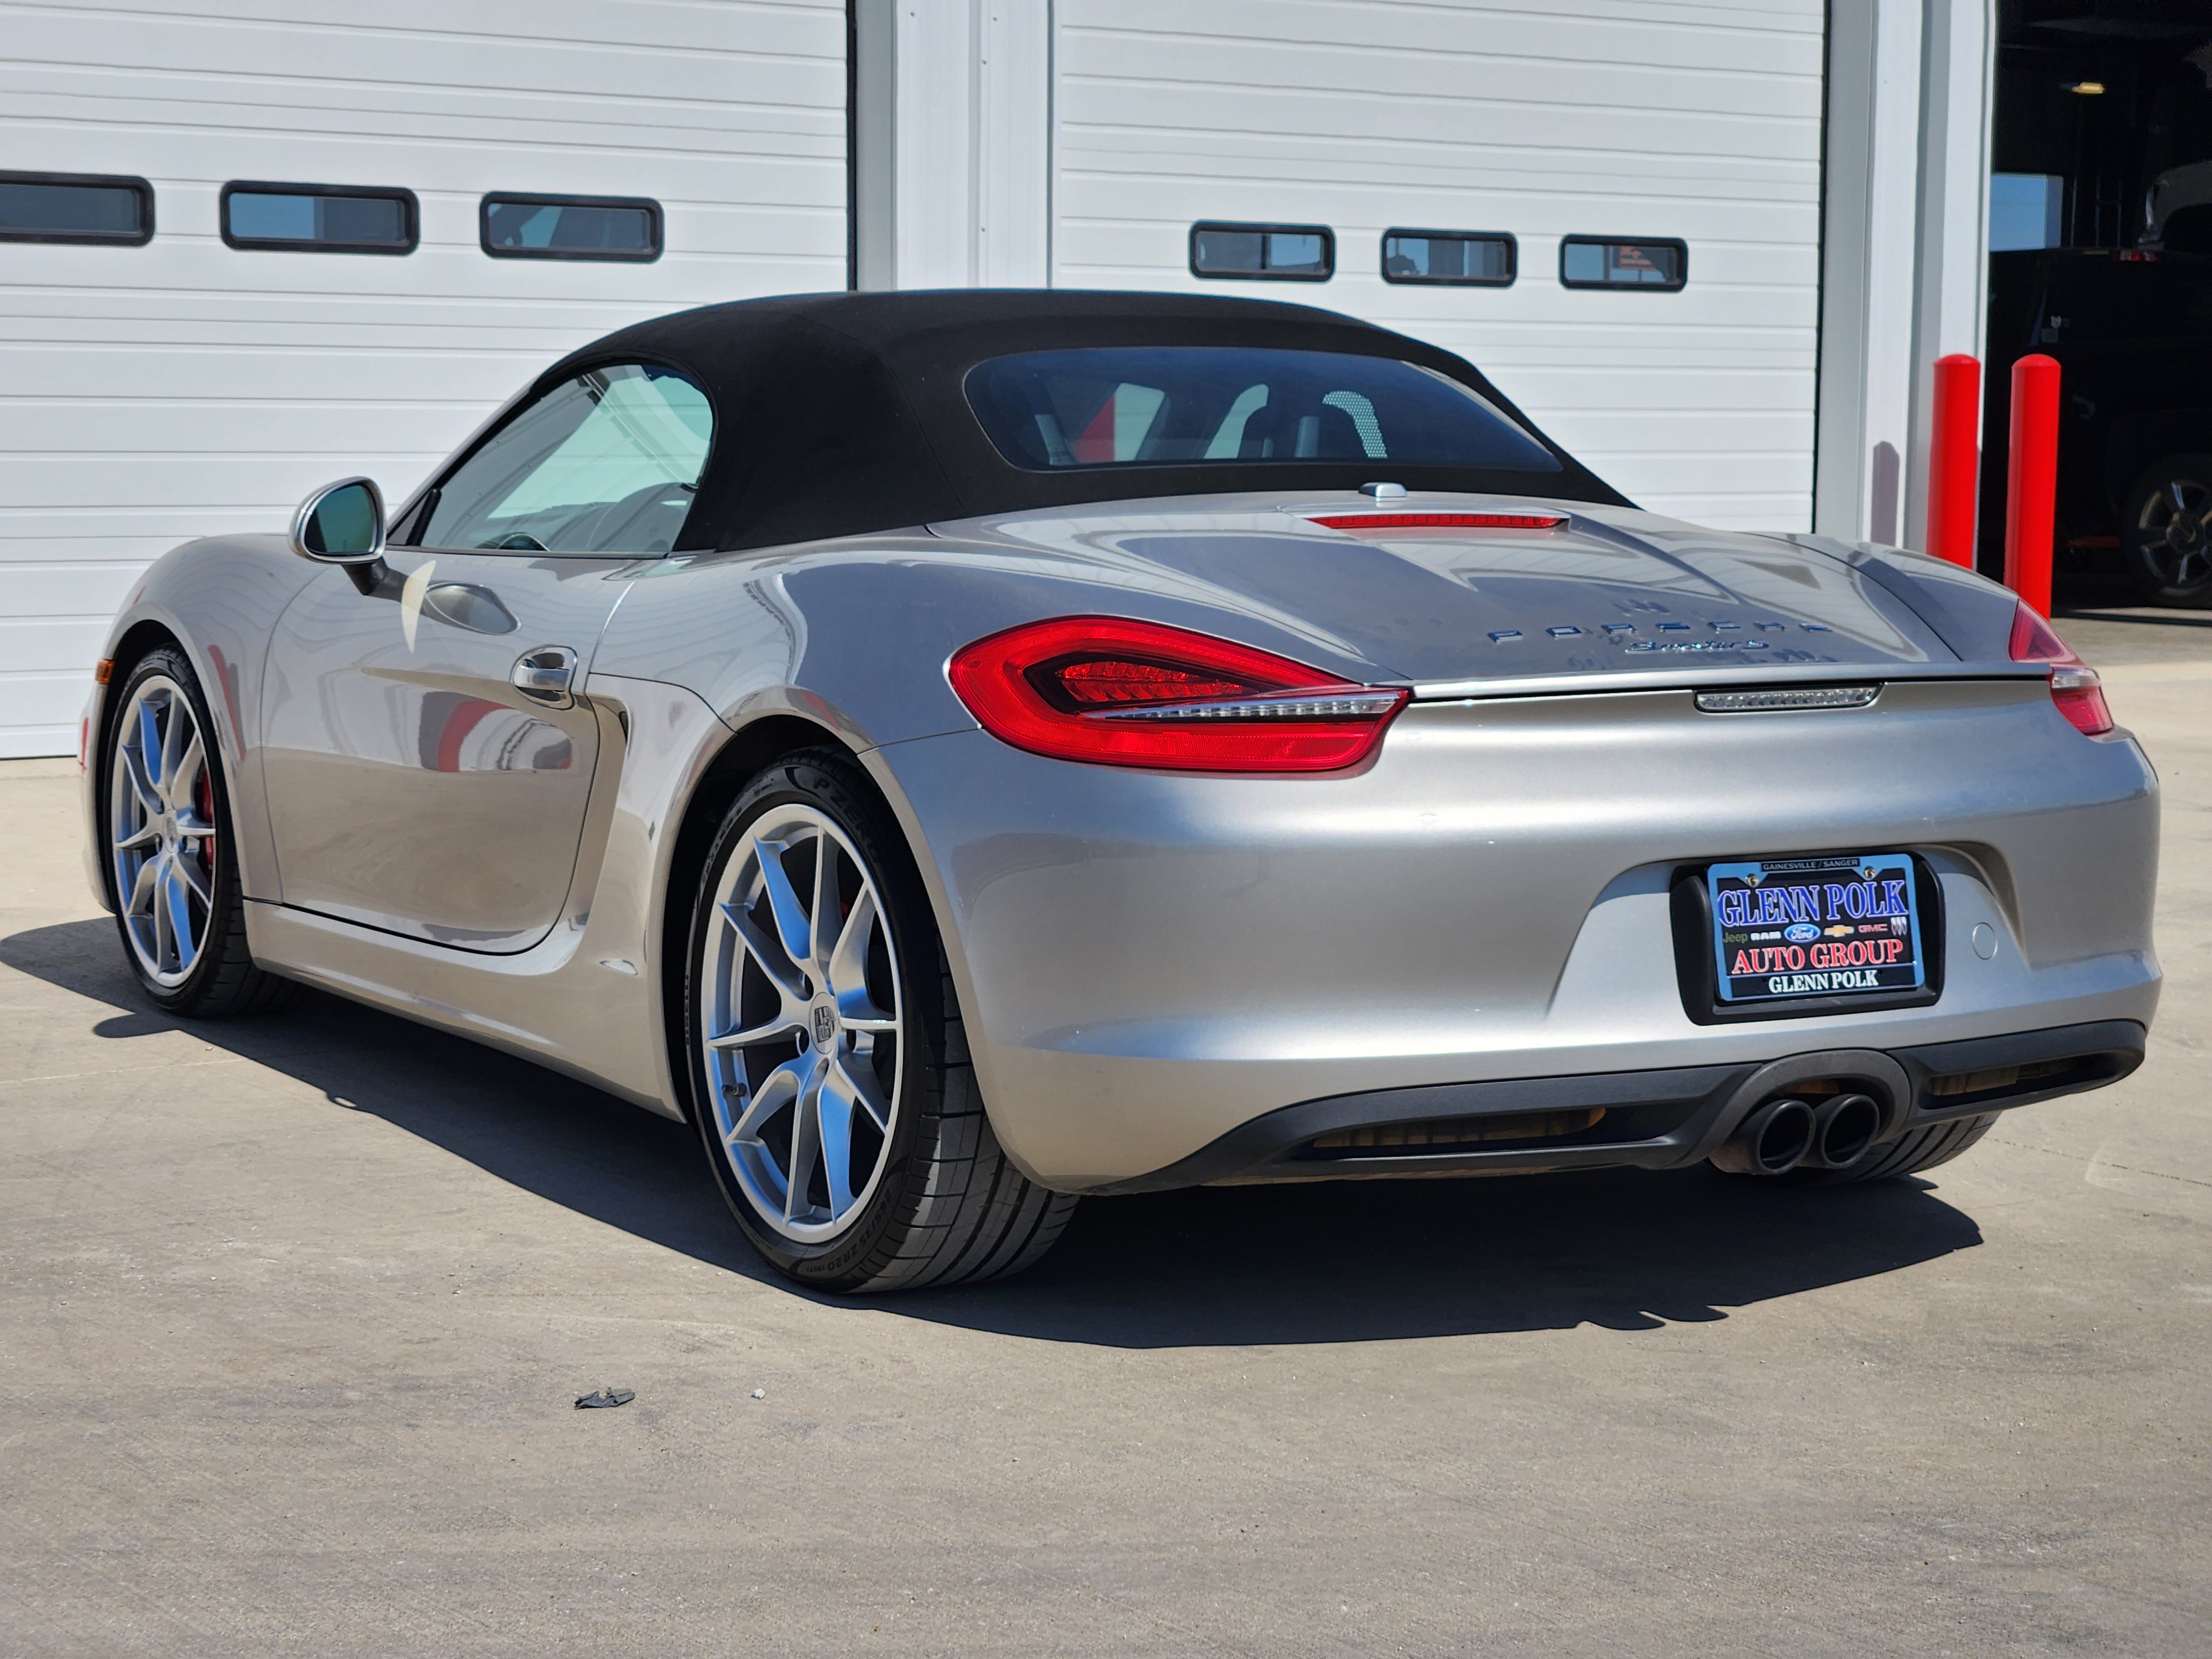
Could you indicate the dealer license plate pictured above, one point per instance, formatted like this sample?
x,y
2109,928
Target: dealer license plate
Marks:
x,y
1841,925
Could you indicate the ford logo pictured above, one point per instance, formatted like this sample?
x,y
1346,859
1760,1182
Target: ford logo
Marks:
x,y
1799,933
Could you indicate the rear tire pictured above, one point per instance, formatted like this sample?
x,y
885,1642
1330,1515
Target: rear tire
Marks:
x,y
167,826
828,1066
1909,1154
2166,534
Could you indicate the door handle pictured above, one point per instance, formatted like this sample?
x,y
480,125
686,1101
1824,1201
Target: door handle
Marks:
x,y
546,675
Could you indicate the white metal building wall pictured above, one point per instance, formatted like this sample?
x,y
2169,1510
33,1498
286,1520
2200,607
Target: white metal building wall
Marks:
x,y
1629,118
154,393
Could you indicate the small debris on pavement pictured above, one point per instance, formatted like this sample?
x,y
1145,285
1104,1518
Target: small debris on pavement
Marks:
x,y
604,1397
760,1393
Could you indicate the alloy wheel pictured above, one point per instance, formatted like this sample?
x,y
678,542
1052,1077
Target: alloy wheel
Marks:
x,y
801,1021
162,830
2174,532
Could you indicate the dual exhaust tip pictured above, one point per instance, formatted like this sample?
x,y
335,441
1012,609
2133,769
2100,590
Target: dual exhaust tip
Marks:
x,y
1788,1133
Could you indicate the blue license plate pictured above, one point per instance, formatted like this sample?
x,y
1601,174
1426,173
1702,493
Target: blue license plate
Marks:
x,y
1838,925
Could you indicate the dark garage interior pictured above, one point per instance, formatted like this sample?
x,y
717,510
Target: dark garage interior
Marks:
x,y
2101,238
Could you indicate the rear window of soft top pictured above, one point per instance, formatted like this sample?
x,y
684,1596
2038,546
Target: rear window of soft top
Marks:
x,y
1125,406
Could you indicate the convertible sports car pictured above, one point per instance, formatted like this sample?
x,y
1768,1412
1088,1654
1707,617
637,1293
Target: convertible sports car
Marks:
x,y
967,751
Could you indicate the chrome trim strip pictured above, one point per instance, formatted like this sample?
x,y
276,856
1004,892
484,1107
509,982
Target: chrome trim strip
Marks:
x,y
1706,675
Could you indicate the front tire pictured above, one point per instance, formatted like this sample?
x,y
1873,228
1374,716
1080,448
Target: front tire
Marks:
x,y
166,820
2166,534
829,1067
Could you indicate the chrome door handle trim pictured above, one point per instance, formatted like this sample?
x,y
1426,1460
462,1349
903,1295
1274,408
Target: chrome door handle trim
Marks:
x,y
546,675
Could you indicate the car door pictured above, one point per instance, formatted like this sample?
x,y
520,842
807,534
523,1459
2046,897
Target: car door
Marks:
x,y
429,760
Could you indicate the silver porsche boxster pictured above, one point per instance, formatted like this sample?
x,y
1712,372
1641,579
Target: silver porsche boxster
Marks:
x,y
967,751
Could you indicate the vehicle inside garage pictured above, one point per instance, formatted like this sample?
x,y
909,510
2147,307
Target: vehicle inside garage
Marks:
x,y
2100,256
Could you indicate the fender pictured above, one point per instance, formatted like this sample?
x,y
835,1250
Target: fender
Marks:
x,y
219,599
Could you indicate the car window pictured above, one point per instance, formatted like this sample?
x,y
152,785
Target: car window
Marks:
x,y
1180,405
606,463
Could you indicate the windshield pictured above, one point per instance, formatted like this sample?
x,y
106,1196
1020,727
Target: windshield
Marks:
x,y
1185,405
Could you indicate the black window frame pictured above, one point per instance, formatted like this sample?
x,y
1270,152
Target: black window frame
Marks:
x,y
412,212
92,181
1512,258
1327,234
1682,253
654,215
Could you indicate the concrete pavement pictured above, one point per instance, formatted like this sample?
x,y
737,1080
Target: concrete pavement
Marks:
x,y
292,1312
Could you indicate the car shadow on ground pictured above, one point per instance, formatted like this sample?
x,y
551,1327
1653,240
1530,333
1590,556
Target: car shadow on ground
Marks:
x,y
1331,1261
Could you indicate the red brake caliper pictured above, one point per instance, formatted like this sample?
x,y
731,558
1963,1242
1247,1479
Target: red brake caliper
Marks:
x,y
203,800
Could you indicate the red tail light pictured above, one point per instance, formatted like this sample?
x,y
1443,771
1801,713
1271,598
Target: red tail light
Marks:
x,y
2074,685
1124,693
1442,521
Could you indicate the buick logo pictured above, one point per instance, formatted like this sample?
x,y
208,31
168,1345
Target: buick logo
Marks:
x,y
825,1023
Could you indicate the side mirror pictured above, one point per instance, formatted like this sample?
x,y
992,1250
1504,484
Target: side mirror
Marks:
x,y
342,524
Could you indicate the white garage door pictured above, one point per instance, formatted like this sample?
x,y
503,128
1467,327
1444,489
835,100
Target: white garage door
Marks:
x,y
158,393
1624,118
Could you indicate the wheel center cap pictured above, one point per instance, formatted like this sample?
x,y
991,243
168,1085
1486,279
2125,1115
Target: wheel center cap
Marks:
x,y
825,1024
2183,533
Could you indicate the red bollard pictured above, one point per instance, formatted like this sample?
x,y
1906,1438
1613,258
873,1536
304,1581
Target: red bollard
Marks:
x,y
2032,481
1954,458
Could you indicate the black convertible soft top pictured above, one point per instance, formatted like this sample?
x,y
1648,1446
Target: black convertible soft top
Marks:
x,y
839,414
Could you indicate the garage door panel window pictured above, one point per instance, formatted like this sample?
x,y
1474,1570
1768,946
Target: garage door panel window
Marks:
x,y
1266,253
76,207
319,218
1182,405
620,228
1460,259
606,463
1660,264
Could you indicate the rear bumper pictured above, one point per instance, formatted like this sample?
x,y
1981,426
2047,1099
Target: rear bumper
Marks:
x,y
1148,963
1651,1119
